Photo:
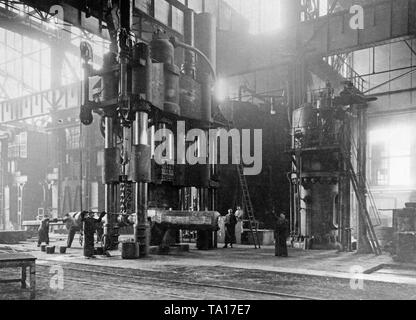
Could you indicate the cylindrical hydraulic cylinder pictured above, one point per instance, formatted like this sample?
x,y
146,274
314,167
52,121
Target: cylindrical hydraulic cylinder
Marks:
x,y
162,51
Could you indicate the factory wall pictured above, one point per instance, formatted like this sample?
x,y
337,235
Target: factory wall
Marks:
x,y
270,190
391,159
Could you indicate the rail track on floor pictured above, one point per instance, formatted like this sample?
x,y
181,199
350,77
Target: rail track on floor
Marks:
x,y
226,292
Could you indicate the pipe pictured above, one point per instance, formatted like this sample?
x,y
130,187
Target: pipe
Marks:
x,y
176,43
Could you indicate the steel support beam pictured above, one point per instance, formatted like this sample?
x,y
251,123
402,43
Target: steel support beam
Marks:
x,y
363,243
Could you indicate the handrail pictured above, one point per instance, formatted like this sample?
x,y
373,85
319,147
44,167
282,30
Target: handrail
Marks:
x,y
351,74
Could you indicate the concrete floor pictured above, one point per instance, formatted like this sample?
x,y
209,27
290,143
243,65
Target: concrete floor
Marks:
x,y
317,274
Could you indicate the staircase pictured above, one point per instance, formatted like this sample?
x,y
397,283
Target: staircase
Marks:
x,y
343,67
361,198
336,69
248,206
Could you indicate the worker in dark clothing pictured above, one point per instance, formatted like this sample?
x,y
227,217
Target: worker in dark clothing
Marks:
x,y
230,223
90,224
73,225
281,234
43,231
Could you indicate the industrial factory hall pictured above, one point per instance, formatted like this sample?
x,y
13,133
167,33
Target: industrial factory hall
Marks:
x,y
208,150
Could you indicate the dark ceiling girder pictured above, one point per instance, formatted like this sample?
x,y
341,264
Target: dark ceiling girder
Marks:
x,y
75,14
9,22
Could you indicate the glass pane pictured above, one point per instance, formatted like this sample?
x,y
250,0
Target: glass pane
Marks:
x,y
400,171
162,11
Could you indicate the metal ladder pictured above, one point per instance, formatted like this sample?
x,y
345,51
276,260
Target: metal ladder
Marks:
x,y
248,206
374,213
371,235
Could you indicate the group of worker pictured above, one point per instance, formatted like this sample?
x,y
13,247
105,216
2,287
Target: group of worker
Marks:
x,y
281,231
85,221
75,222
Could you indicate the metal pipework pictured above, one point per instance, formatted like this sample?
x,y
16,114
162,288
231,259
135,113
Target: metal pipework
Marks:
x,y
176,43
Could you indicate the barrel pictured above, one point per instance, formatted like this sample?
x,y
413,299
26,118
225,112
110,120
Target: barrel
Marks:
x,y
130,250
99,251
50,249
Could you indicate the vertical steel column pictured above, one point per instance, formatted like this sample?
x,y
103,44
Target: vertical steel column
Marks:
x,y
345,210
3,170
189,38
141,228
123,112
206,42
363,243
110,224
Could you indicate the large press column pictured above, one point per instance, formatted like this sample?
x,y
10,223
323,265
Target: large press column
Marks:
x,y
141,229
205,40
141,143
363,244
345,191
110,175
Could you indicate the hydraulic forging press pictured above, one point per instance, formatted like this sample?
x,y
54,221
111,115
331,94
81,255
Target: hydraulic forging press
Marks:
x,y
142,87
328,159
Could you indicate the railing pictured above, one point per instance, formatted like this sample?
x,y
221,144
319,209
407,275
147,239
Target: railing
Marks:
x,y
306,137
331,34
339,64
41,103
